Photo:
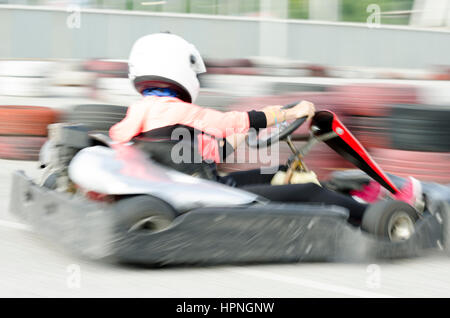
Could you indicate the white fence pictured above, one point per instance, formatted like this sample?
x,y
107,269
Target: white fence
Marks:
x,y
40,32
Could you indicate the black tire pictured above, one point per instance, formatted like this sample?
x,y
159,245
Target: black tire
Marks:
x,y
421,111
96,117
380,218
143,213
421,124
420,128
424,143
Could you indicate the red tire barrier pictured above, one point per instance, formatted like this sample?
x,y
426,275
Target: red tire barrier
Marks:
x,y
373,100
425,166
21,148
367,108
106,68
95,116
316,70
234,70
223,63
26,120
370,131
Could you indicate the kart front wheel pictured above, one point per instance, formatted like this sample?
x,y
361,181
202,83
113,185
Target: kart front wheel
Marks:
x,y
392,220
144,214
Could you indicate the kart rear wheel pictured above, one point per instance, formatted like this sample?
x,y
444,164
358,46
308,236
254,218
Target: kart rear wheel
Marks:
x,y
144,214
392,220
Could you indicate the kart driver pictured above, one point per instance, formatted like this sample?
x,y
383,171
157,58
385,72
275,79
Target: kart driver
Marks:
x,y
164,67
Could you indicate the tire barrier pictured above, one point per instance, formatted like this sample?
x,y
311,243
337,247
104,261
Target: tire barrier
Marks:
x,y
215,99
408,131
96,116
235,71
26,78
23,130
425,166
373,100
366,109
71,81
107,68
116,87
26,68
25,86
370,131
230,66
21,147
26,120
223,63
265,66
420,127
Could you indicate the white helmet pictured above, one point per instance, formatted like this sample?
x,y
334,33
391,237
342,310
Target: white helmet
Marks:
x,y
166,60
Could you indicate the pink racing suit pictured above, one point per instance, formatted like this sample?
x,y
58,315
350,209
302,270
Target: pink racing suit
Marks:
x,y
154,112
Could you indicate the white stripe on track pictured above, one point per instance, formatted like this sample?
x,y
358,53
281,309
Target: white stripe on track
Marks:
x,y
352,292
15,225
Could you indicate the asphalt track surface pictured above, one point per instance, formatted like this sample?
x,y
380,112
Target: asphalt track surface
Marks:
x,y
30,266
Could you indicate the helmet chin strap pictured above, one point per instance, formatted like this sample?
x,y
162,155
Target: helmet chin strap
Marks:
x,y
163,92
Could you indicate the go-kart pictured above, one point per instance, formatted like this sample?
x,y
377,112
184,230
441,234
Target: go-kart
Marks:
x,y
111,201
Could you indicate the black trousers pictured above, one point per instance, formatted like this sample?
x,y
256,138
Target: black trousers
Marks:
x,y
255,182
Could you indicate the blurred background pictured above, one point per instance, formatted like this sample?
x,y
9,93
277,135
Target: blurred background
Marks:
x,y
382,66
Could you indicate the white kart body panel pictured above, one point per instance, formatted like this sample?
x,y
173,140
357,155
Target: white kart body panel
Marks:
x,y
127,170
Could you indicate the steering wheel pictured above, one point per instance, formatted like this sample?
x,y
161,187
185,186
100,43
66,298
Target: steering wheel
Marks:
x,y
285,130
